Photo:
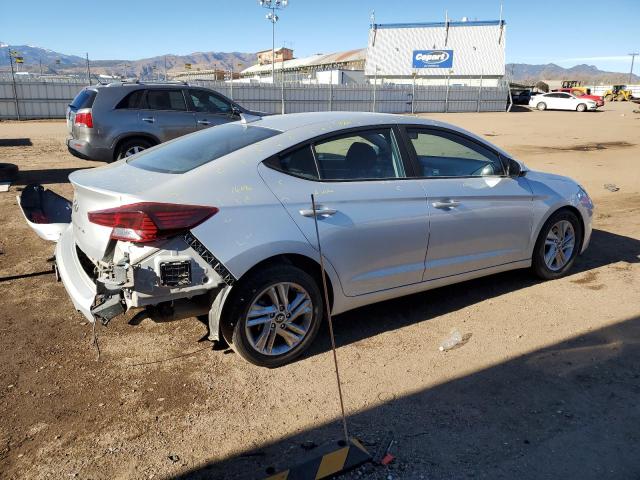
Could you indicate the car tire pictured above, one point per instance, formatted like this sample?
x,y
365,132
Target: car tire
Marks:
x,y
554,233
541,106
130,147
256,343
8,172
581,107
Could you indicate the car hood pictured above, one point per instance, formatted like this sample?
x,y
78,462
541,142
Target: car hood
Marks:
x,y
545,177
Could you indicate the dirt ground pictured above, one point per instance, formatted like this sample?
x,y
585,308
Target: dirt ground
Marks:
x,y
546,385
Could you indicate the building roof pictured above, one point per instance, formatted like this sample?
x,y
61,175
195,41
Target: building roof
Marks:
x,y
311,61
277,50
478,48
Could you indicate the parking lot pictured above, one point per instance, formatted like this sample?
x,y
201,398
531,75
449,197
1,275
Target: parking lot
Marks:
x,y
545,383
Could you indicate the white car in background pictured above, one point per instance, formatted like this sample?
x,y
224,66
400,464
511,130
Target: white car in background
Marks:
x,y
561,101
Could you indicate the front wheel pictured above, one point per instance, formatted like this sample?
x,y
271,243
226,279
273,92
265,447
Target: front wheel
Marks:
x,y
581,107
557,245
277,313
541,106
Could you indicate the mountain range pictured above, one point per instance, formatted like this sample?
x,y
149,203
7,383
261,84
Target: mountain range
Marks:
x,y
38,59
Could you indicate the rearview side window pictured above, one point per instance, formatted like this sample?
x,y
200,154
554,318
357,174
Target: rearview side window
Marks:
x,y
444,154
371,154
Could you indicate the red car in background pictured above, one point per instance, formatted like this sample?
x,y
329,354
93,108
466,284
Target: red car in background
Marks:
x,y
578,92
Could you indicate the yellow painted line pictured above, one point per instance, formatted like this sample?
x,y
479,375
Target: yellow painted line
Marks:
x,y
332,463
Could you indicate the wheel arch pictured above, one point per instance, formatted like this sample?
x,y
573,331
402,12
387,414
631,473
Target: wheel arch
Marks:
x,y
569,208
130,136
219,326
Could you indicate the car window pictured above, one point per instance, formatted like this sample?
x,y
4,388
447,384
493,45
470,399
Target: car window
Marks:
x,y
132,100
445,154
165,100
564,95
191,151
299,162
84,99
371,154
209,102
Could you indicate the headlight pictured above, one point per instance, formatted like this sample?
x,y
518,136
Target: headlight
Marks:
x,y
584,199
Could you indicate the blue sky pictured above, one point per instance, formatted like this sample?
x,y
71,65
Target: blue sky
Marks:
x,y
537,32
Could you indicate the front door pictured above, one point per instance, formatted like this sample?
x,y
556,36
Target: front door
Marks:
x,y
479,216
211,109
372,219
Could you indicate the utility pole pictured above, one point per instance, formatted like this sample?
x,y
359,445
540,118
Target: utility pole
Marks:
x,y
88,70
633,57
13,77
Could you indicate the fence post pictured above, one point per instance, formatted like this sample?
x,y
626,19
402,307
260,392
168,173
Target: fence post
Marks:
x,y
282,98
480,92
446,96
413,94
331,95
15,90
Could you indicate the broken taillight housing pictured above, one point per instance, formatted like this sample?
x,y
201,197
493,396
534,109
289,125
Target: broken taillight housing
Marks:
x,y
147,221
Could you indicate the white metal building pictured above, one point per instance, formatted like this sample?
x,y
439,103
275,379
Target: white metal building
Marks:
x,y
458,52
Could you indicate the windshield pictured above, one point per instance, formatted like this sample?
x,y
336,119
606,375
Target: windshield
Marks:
x,y
187,153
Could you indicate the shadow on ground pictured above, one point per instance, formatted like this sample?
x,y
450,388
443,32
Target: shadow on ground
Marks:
x,y
566,411
15,142
45,176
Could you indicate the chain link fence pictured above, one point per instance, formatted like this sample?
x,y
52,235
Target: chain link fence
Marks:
x,y
48,98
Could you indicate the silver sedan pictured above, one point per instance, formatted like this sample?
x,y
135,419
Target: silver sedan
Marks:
x,y
220,223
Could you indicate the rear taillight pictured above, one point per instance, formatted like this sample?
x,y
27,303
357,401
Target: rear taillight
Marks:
x,y
146,222
84,118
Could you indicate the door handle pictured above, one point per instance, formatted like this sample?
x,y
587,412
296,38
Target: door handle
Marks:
x,y
204,122
148,119
320,211
446,204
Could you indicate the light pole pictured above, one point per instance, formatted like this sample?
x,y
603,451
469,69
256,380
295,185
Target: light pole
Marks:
x,y
633,57
273,5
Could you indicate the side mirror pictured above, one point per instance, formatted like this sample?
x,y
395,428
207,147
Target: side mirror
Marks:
x,y
516,169
235,111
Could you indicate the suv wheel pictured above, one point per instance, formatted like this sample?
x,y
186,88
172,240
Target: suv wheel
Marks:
x,y
276,314
133,146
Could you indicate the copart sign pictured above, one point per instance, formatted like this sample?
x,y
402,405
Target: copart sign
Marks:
x,y
432,58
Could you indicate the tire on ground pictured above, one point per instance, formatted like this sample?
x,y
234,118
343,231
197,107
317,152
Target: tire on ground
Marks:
x,y
8,172
539,265
245,294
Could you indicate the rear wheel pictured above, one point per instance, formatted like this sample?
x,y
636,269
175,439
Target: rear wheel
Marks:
x,y
133,146
608,97
581,107
557,245
277,313
541,106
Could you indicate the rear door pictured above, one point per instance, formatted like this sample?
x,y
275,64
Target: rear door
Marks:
x,y
165,115
479,216
210,108
372,218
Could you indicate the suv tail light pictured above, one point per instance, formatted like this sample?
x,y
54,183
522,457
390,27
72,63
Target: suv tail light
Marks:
x,y
146,222
84,118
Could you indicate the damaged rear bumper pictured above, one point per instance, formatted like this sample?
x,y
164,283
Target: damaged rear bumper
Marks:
x,y
79,286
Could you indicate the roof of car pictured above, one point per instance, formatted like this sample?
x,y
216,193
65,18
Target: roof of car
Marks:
x,y
331,121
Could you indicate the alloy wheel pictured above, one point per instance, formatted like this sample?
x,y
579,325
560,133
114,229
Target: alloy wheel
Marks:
x,y
133,150
559,245
279,319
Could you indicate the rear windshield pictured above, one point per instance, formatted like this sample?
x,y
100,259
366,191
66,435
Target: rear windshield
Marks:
x,y
187,153
83,100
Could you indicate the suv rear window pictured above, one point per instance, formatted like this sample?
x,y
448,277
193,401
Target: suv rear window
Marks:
x,y
83,100
186,153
